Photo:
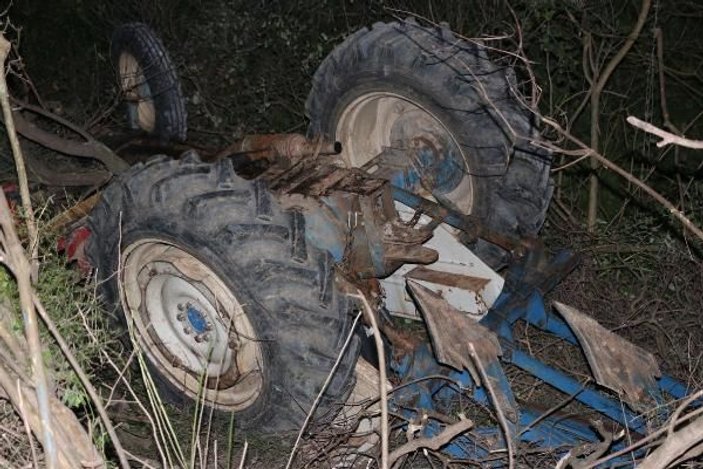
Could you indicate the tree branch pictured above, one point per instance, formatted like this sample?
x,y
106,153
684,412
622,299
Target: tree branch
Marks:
x,y
596,91
667,138
434,443
19,159
687,223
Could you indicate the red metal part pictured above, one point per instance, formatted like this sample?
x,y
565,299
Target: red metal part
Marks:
x,y
73,245
12,194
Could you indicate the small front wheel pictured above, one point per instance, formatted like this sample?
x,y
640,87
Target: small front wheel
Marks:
x,y
149,83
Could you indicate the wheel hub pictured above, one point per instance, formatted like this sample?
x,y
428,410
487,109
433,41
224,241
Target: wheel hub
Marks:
x,y
395,138
190,325
197,320
137,93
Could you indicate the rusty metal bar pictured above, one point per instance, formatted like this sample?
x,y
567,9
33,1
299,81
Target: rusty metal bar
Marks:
x,y
272,147
469,224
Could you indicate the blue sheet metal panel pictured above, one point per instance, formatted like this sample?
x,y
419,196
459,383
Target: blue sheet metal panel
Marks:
x,y
675,388
326,227
439,172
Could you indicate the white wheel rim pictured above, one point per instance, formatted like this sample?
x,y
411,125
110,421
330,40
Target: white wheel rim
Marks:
x,y
137,92
190,325
374,121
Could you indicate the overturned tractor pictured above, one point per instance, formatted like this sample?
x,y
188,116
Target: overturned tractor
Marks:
x,y
238,272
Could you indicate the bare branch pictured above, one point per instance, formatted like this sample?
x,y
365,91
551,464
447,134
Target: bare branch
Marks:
x,y
667,138
596,91
434,443
678,214
676,445
19,158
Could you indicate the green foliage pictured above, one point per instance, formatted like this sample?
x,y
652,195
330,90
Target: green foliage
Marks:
x,y
82,323
75,310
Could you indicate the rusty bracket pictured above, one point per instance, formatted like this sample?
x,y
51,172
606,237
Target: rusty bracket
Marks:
x,y
281,149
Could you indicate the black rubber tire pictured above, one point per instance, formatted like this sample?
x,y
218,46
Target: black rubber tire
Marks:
x,y
287,288
171,117
510,179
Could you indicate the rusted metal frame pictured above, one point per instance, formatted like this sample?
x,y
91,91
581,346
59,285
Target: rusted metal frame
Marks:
x,y
550,433
471,226
449,279
278,148
378,241
89,148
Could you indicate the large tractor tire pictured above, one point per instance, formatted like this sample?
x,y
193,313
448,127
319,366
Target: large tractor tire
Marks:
x,y
149,83
429,111
221,292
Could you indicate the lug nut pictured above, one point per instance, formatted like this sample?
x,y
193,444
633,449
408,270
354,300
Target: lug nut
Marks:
x,y
208,326
188,330
181,307
181,317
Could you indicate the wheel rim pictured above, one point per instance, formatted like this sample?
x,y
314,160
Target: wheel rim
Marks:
x,y
401,140
137,93
190,325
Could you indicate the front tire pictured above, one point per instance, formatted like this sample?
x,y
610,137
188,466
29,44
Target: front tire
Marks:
x,y
222,292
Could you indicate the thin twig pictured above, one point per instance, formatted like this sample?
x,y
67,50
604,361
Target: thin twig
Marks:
x,y
436,442
85,381
25,420
383,392
322,391
244,454
496,405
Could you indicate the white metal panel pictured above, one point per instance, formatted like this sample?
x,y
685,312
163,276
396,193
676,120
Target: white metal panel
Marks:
x,y
455,258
